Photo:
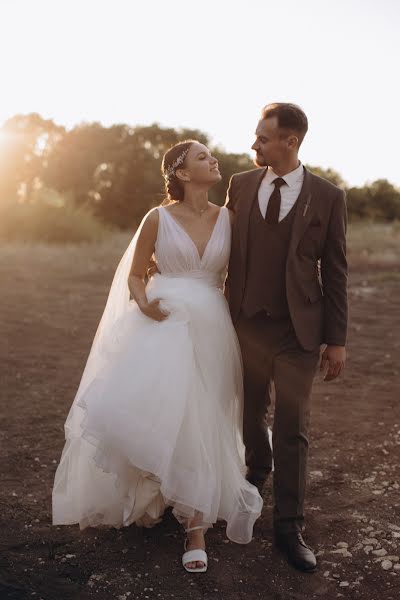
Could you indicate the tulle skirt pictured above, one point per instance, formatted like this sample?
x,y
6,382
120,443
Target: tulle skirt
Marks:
x,y
160,424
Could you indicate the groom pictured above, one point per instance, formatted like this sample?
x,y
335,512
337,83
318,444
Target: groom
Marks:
x,y
286,288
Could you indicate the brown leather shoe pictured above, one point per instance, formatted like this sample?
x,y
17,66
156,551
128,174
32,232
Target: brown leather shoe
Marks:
x,y
296,550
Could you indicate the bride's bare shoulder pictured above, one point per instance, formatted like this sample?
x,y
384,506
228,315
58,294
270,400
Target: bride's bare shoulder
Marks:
x,y
149,224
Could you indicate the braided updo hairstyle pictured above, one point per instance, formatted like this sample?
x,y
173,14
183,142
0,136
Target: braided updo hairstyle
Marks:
x,y
173,186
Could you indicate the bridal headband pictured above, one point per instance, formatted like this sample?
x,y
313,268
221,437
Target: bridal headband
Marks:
x,y
178,161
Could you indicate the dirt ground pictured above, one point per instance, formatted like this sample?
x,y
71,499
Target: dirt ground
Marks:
x,y
51,302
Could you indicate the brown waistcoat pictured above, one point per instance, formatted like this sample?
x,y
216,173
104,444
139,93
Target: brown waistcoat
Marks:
x,y
267,253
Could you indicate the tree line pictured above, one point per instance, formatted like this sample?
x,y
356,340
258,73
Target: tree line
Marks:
x,y
115,171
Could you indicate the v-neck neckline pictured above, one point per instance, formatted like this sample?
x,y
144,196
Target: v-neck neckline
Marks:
x,y
190,239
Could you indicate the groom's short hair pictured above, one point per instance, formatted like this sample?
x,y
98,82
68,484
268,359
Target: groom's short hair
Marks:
x,y
290,117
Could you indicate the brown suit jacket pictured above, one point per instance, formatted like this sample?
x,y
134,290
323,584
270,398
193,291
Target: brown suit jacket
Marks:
x,y
316,265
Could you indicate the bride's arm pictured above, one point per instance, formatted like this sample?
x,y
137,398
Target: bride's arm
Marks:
x,y
143,252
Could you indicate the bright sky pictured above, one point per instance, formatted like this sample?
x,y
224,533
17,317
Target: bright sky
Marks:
x,y
212,65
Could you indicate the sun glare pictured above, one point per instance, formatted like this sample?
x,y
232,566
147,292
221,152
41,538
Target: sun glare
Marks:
x,y
4,140
5,137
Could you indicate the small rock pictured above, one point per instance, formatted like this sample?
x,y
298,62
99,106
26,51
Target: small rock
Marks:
x,y
343,551
370,541
326,573
344,584
342,545
380,552
93,578
368,549
358,546
387,564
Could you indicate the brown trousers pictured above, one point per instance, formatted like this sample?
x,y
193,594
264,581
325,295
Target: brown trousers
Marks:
x,y
271,352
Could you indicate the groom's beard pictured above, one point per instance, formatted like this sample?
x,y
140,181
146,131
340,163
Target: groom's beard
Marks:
x,y
260,161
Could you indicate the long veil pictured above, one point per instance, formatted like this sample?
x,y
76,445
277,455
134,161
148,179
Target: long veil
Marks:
x,y
116,306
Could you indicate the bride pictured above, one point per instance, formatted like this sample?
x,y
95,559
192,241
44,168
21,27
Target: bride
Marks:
x,y
157,419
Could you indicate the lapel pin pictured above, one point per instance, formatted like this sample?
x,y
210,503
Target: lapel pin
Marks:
x,y
307,206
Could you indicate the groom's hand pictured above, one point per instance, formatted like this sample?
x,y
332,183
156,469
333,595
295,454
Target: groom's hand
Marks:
x,y
333,357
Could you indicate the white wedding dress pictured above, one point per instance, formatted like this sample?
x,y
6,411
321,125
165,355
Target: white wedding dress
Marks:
x,y
157,420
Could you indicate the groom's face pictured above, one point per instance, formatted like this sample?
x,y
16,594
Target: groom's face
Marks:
x,y
270,146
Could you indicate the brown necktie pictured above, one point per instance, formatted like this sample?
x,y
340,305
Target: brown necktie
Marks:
x,y
274,203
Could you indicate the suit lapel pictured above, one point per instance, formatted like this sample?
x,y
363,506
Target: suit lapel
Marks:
x,y
250,196
303,212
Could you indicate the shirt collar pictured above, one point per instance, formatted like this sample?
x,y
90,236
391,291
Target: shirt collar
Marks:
x,y
290,178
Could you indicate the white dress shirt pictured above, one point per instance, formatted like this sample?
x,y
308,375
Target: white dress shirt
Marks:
x,y
289,192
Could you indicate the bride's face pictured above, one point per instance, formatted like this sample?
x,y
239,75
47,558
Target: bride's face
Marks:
x,y
200,166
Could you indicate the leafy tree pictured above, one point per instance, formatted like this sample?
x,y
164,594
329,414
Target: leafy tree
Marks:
x,y
116,171
228,165
77,155
329,174
379,201
28,141
385,200
358,203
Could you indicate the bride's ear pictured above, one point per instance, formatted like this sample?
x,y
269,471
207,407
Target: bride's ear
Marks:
x,y
182,175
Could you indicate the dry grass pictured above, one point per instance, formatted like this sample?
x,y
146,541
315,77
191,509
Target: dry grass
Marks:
x,y
69,229
41,222
374,244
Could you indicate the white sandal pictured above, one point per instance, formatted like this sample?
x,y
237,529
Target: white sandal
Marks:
x,y
194,556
